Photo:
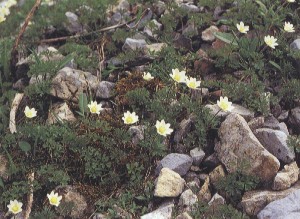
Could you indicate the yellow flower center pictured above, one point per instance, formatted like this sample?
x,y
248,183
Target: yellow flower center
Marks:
x,y
15,208
192,84
94,109
129,120
162,129
177,77
29,114
53,200
224,106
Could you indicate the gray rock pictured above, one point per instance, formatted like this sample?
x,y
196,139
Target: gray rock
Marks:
x,y
275,142
190,30
105,89
271,122
283,116
160,213
187,198
254,201
122,5
190,7
197,155
159,7
184,129
133,44
69,83
283,128
294,119
180,163
238,109
286,177
152,28
208,34
168,184
72,198
144,20
73,25
295,44
217,200
60,112
154,48
256,123
99,216
198,94
137,133
238,144
287,208
211,161
182,42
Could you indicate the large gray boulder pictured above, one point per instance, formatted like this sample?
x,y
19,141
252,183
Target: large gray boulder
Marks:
x,y
254,201
238,144
275,142
287,208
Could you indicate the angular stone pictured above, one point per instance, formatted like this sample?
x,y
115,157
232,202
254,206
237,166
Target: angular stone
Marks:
x,y
133,44
283,116
154,48
73,25
184,129
287,208
286,177
137,133
211,161
180,163
208,34
152,27
160,213
254,201
256,123
72,198
294,119
238,144
69,83
169,184
204,193
191,8
217,200
216,175
295,44
105,89
275,142
197,155
244,112
187,198
60,112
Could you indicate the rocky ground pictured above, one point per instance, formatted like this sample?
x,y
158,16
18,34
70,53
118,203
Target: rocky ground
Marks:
x,y
245,142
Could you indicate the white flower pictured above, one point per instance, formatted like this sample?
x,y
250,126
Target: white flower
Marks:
x,y
178,76
54,198
288,27
163,128
4,11
290,0
48,2
271,41
95,107
130,118
30,113
147,76
10,3
2,18
224,104
242,28
15,207
192,83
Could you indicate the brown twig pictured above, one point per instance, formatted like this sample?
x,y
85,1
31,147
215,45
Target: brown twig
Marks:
x,y
29,196
85,34
14,52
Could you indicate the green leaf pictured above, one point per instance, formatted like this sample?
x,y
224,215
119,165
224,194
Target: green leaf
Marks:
x,y
275,65
25,146
1,183
82,103
226,37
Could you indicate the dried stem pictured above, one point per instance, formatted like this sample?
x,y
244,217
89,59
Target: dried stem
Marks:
x,y
29,196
